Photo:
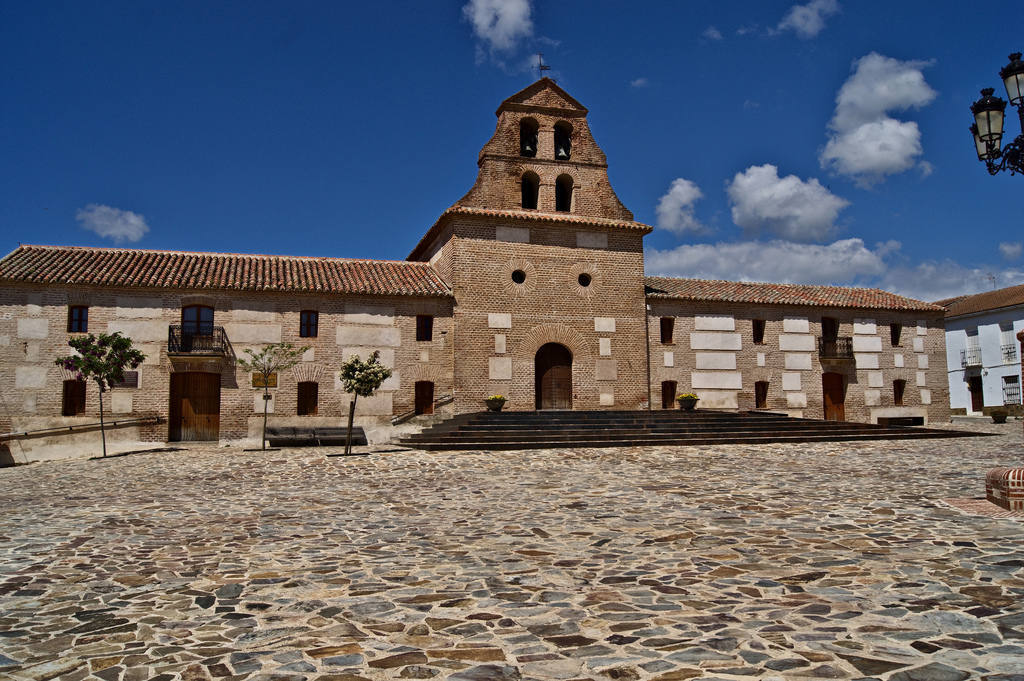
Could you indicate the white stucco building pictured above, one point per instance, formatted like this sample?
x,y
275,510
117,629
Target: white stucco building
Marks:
x,y
982,350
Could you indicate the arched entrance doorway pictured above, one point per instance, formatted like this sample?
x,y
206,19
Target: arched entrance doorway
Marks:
x,y
553,377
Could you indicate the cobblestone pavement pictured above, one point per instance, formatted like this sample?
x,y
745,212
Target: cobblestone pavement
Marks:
x,y
823,561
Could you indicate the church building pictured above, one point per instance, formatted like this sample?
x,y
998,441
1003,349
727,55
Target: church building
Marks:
x,y
531,286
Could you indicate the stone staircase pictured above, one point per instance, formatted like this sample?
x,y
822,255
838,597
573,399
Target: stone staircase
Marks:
x,y
555,429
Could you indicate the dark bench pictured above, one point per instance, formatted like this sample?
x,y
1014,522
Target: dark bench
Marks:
x,y
312,436
901,420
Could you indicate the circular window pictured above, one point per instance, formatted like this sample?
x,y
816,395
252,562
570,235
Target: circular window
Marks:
x,y
583,279
519,276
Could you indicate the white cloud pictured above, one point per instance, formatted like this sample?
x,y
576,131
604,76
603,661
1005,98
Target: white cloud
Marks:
x,y
935,280
847,262
789,207
808,20
712,33
779,261
112,223
499,23
864,141
638,82
675,208
1010,249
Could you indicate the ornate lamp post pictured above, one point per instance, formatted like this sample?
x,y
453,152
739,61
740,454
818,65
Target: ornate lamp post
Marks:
x,y
989,117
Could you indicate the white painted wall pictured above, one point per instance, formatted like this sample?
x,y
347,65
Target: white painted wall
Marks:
x,y
993,367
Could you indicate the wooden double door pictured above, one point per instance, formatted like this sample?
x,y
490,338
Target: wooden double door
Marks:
x,y
553,377
195,407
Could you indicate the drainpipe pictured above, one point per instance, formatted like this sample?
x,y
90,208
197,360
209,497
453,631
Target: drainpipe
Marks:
x,y
647,342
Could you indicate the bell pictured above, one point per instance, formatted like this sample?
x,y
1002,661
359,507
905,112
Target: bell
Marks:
x,y
528,148
561,153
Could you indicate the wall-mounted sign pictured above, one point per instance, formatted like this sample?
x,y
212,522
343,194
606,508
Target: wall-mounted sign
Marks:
x,y
131,380
257,381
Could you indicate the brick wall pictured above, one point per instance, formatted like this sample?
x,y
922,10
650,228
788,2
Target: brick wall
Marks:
x,y
33,323
713,347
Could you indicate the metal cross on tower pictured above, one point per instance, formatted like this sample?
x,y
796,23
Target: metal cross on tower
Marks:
x,y
541,66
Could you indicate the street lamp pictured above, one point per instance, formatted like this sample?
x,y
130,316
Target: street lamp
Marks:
x,y
989,117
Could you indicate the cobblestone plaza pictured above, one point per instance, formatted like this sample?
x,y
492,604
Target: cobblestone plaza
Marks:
x,y
837,561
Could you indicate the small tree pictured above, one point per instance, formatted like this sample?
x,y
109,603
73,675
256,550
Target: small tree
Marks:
x,y
104,360
272,359
362,379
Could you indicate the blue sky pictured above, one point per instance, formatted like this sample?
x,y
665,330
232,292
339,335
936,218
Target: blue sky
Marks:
x,y
814,142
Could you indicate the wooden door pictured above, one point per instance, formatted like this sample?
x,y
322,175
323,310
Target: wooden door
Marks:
x,y
553,377
668,394
195,407
977,393
424,397
834,394
761,395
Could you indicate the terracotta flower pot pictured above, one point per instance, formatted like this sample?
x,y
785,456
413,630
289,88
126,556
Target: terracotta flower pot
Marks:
x,y
494,405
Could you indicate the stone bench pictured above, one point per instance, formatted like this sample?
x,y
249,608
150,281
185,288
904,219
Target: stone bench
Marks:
x,y
312,436
1005,487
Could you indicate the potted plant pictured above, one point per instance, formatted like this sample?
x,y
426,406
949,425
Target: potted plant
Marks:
x,y
495,402
687,401
999,415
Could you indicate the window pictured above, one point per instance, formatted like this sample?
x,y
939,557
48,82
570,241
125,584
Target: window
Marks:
x,y
584,279
78,319
73,403
758,331
898,388
130,380
1008,343
829,329
197,320
563,143
307,401
895,331
761,395
563,193
667,327
309,323
424,327
519,276
530,188
1011,389
528,137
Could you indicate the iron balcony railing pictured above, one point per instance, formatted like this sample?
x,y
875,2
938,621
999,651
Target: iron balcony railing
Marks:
x,y
189,339
970,357
835,348
1011,393
1009,353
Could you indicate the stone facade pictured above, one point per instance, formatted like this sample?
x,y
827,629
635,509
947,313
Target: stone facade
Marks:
x,y
534,282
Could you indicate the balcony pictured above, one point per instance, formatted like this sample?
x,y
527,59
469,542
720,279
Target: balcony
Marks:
x,y
1009,353
188,339
970,357
840,348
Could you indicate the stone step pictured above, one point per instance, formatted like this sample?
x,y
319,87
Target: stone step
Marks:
x,y
531,430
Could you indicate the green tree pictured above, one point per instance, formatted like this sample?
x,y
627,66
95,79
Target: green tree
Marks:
x,y
362,379
104,360
271,360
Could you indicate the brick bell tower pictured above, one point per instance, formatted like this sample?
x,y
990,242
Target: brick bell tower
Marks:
x,y
546,265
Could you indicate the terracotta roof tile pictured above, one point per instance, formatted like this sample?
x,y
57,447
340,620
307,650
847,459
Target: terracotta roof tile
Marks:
x,y
981,302
781,294
227,271
530,215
